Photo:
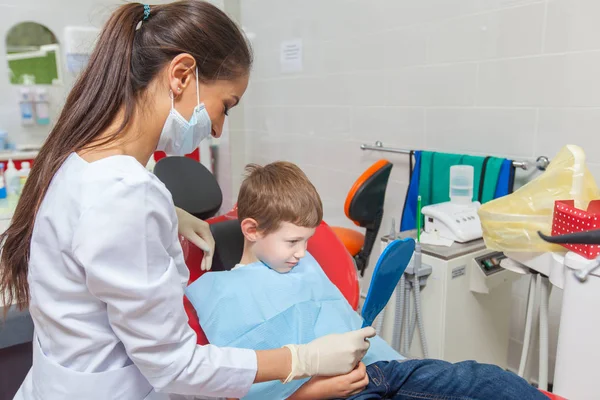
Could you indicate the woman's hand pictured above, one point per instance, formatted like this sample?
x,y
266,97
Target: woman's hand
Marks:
x,y
197,231
341,386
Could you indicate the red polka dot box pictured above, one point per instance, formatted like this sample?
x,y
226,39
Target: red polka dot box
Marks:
x,y
568,219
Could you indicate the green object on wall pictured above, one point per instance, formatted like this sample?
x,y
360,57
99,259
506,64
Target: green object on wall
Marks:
x,y
43,68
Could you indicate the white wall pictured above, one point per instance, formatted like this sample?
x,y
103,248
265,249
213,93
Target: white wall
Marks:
x,y
231,145
513,78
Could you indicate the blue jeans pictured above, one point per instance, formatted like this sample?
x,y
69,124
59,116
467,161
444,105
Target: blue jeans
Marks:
x,y
441,380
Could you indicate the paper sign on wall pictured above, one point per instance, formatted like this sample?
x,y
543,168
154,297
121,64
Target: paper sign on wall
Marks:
x,y
291,56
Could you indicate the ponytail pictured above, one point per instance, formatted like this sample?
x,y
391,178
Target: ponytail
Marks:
x,y
121,66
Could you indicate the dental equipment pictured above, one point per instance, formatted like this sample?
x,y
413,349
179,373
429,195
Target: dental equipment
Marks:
x,y
465,304
405,321
586,237
456,219
583,274
577,353
417,284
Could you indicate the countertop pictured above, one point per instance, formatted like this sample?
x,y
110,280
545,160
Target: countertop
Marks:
x,y
18,155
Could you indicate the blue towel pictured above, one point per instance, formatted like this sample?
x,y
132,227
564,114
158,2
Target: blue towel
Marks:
x,y
409,213
257,308
504,178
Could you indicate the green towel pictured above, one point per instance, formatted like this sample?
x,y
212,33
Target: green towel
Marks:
x,y
434,181
492,173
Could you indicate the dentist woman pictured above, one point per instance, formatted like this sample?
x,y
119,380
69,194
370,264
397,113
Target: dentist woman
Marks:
x,y
93,247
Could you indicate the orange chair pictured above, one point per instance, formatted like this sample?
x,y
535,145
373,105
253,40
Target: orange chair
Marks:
x,y
364,206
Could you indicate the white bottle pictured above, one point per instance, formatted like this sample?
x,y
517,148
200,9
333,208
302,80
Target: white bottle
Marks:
x,y
23,174
461,184
12,178
41,107
26,105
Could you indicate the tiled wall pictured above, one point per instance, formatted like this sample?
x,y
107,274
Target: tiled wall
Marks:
x,y
514,78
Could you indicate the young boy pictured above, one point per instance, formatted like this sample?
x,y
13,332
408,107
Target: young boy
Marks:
x,y
278,294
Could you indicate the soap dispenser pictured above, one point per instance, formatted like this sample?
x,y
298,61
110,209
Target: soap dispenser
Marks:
x,y
42,112
26,105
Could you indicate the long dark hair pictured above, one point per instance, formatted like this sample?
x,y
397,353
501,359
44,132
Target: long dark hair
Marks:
x,y
123,64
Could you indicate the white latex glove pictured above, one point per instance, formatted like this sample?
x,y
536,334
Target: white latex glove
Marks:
x,y
329,355
197,231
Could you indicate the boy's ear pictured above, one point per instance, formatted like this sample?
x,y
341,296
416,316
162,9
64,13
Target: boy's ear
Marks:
x,y
250,229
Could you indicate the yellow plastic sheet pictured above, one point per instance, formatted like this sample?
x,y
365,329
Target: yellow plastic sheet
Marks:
x,y
511,223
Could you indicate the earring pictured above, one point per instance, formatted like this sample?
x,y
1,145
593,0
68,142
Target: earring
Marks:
x,y
179,89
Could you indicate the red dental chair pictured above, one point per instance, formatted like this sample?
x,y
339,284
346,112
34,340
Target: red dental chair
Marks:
x,y
196,190
324,246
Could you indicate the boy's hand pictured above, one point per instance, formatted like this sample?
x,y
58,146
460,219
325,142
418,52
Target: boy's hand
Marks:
x,y
341,386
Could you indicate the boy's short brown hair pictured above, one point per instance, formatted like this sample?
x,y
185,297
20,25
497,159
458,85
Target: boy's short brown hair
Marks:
x,y
279,192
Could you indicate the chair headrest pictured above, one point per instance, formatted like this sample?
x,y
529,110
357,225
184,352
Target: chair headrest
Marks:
x,y
365,199
229,244
193,187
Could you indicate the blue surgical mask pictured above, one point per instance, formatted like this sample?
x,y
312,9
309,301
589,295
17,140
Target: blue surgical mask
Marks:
x,y
180,137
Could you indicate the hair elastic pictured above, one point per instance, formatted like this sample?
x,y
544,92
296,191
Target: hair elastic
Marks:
x,y
146,12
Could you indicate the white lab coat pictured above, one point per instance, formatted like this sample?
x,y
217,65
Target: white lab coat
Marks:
x,y
106,277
